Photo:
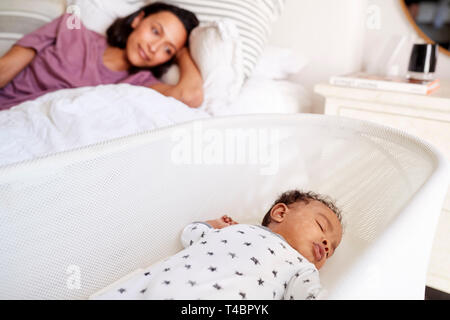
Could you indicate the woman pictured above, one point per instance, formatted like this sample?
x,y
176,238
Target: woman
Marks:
x,y
137,48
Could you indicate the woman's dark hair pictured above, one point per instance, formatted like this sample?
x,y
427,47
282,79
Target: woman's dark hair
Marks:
x,y
118,33
293,196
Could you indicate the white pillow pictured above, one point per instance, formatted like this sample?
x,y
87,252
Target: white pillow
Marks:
x,y
279,63
253,19
98,15
263,95
215,47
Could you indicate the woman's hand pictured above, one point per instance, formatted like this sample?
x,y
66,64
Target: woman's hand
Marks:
x,y
222,222
13,62
189,88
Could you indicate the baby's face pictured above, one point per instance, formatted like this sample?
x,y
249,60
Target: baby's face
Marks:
x,y
312,229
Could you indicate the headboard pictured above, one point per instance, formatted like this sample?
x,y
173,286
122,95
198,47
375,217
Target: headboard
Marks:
x,y
19,17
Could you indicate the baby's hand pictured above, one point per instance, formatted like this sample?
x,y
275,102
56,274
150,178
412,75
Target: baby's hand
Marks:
x,y
222,222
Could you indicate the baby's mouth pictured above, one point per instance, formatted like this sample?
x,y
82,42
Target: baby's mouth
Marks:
x,y
319,252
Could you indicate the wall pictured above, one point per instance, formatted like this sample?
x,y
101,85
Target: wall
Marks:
x,y
392,24
328,33
339,37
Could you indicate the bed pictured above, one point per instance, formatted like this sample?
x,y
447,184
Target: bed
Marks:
x,y
72,118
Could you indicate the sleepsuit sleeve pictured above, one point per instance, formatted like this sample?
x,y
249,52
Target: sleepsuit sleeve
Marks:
x,y
194,232
305,285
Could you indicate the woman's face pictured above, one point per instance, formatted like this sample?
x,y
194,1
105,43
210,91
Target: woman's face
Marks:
x,y
155,39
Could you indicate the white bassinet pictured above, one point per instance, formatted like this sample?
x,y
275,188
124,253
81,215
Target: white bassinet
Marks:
x,y
75,222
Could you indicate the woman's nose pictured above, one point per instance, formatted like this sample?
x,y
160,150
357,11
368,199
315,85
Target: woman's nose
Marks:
x,y
154,45
152,48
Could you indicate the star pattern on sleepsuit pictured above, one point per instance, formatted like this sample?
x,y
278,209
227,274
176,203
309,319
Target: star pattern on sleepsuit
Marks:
x,y
192,283
249,250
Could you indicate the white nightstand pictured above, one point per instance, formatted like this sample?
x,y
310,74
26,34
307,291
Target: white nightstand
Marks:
x,y
424,116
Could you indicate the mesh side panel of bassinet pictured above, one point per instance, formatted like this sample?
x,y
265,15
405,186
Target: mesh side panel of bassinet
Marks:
x,y
75,222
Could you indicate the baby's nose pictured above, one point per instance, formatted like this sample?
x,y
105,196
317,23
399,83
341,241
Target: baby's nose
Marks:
x,y
325,243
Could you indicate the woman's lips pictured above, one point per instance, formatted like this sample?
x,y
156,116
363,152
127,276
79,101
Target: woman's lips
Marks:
x,y
319,252
143,54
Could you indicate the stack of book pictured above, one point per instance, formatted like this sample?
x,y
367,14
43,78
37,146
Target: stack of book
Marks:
x,y
399,84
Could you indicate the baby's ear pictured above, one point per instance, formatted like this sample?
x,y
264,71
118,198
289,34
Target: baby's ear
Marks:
x,y
278,212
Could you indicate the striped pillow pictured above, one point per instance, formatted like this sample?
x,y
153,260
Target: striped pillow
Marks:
x,y
253,18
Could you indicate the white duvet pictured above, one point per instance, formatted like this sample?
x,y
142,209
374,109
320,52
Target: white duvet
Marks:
x,y
71,118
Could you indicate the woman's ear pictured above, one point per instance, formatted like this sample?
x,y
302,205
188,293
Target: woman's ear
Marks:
x,y
278,212
137,20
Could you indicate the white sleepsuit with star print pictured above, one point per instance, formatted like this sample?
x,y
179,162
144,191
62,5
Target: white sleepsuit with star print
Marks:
x,y
237,262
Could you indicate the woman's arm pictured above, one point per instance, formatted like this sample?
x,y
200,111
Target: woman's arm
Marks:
x,y
14,61
189,88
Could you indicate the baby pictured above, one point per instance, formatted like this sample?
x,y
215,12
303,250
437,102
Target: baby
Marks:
x,y
226,260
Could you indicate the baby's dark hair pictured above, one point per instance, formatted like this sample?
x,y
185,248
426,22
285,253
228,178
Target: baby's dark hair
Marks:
x,y
293,196
118,33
